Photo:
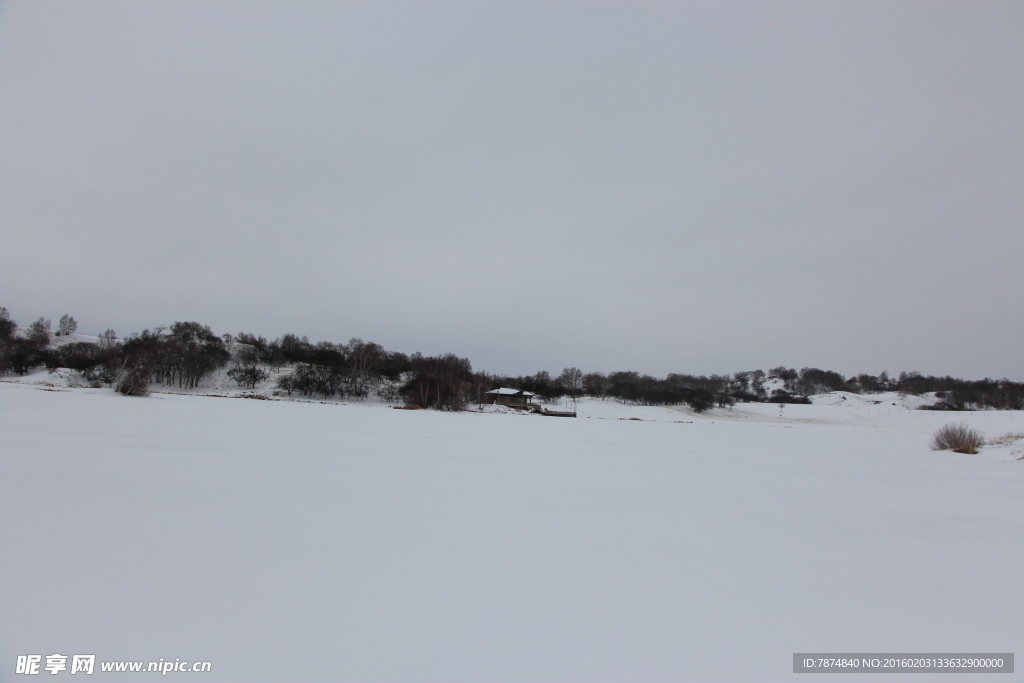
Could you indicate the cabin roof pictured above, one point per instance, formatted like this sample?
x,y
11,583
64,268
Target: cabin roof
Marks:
x,y
505,391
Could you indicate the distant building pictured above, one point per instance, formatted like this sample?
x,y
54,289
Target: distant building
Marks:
x,y
510,397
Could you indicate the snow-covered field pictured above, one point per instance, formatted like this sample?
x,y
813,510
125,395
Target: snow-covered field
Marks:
x,y
289,541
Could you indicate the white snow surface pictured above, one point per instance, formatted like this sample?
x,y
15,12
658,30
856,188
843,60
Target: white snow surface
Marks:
x,y
505,391
297,541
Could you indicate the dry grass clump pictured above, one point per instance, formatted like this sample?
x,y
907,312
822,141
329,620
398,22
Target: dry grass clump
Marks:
x,y
1005,439
958,438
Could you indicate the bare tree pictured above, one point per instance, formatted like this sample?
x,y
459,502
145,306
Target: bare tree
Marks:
x,y
364,361
7,326
108,339
67,325
438,381
246,369
596,384
757,378
39,332
571,380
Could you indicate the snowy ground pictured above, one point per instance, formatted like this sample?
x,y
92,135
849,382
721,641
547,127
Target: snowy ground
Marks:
x,y
321,542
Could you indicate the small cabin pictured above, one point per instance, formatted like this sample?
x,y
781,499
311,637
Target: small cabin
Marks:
x,y
510,397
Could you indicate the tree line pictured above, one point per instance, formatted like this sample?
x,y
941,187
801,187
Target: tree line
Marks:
x,y
185,353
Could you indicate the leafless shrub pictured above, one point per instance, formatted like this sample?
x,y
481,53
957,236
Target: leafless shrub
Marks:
x,y
131,378
958,438
389,392
286,383
248,375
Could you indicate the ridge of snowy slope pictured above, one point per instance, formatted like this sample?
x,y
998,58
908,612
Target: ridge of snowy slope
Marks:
x,y
884,398
218,383
58,340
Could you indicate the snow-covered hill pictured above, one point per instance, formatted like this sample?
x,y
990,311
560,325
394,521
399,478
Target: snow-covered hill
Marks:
x,y
218,383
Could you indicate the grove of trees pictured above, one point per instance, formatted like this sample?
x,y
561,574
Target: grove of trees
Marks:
x,y
185,353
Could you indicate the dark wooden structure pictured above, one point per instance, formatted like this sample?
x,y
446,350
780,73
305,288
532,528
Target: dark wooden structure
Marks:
x,y
515,398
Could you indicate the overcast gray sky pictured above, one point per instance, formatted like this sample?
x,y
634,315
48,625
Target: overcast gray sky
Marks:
x,y
665,187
